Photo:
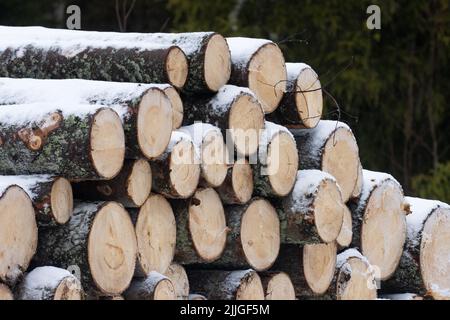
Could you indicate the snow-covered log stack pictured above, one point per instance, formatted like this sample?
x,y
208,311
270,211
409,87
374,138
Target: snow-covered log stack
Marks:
x,y
156,166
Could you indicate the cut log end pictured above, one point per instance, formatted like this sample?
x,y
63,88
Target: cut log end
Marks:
x,y
214,167
18,234
176,67
435,247
260,234
207,224
282,163
360,285
156,234
319,263
5,293
267,76
250,288
346,234
383,230
308,98
184,169
164,291
154,123
177,107
242,181
217,67
107,143
139,182
177,274
246,119
340,159
61,200
112,249
279,287
69,289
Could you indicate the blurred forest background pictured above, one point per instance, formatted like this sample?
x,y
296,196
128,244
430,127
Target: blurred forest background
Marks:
x,y
392,85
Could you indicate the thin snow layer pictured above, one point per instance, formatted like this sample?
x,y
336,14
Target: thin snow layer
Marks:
x,y
294,69
344,256
307,183
42,279
226,95
25,114
420,210
323,131
178,136
234,280
27,183
242,49
400,296
198,131
267,134
372,179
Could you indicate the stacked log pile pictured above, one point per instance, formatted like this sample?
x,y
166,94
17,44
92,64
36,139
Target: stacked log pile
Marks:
x,y
192,166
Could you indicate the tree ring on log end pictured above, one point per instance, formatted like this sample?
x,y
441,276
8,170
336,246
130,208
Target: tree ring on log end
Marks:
x,y
69,289
319,263
5,293
164,290
360,286
61,199
154,123
246,119
217,65
346,234
176,67
156,234
214,165
207,224
282,166
18,233
267,76
107,143
280,287
250,288
112,249
139,182
383,230
242,181
177,107
308,98
435,253
177,274
260,234
340,159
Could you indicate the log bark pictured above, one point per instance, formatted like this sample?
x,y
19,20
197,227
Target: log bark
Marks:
x,y
379,213
92,242
227,285
18,231
277,285
277,165
237,187
259,65
50,283
176,173
314,211
177,274
154,287
301,106
131,187
78,142
201,228
5,293
330,147
156,235
145,109
234,108
422,266
59,54
254,237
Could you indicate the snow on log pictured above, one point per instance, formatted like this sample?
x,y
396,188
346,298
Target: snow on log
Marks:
x,y
36,52
131,187
276,169
235,108
213,157
277,285
177,274
259,65
147,110
313,212
176,173
379,222
401,296
50,283
311,267
237,187
100,240
424,264
253,240
345,237
196,296
153,287
156,235
201,227
227,285
330,147
5,293
18,231
301,106
75,141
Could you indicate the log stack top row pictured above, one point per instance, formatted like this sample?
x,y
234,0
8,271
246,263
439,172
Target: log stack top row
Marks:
x,y
126,157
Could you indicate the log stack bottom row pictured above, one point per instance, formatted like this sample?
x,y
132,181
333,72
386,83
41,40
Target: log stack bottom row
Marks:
x,y
192,166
